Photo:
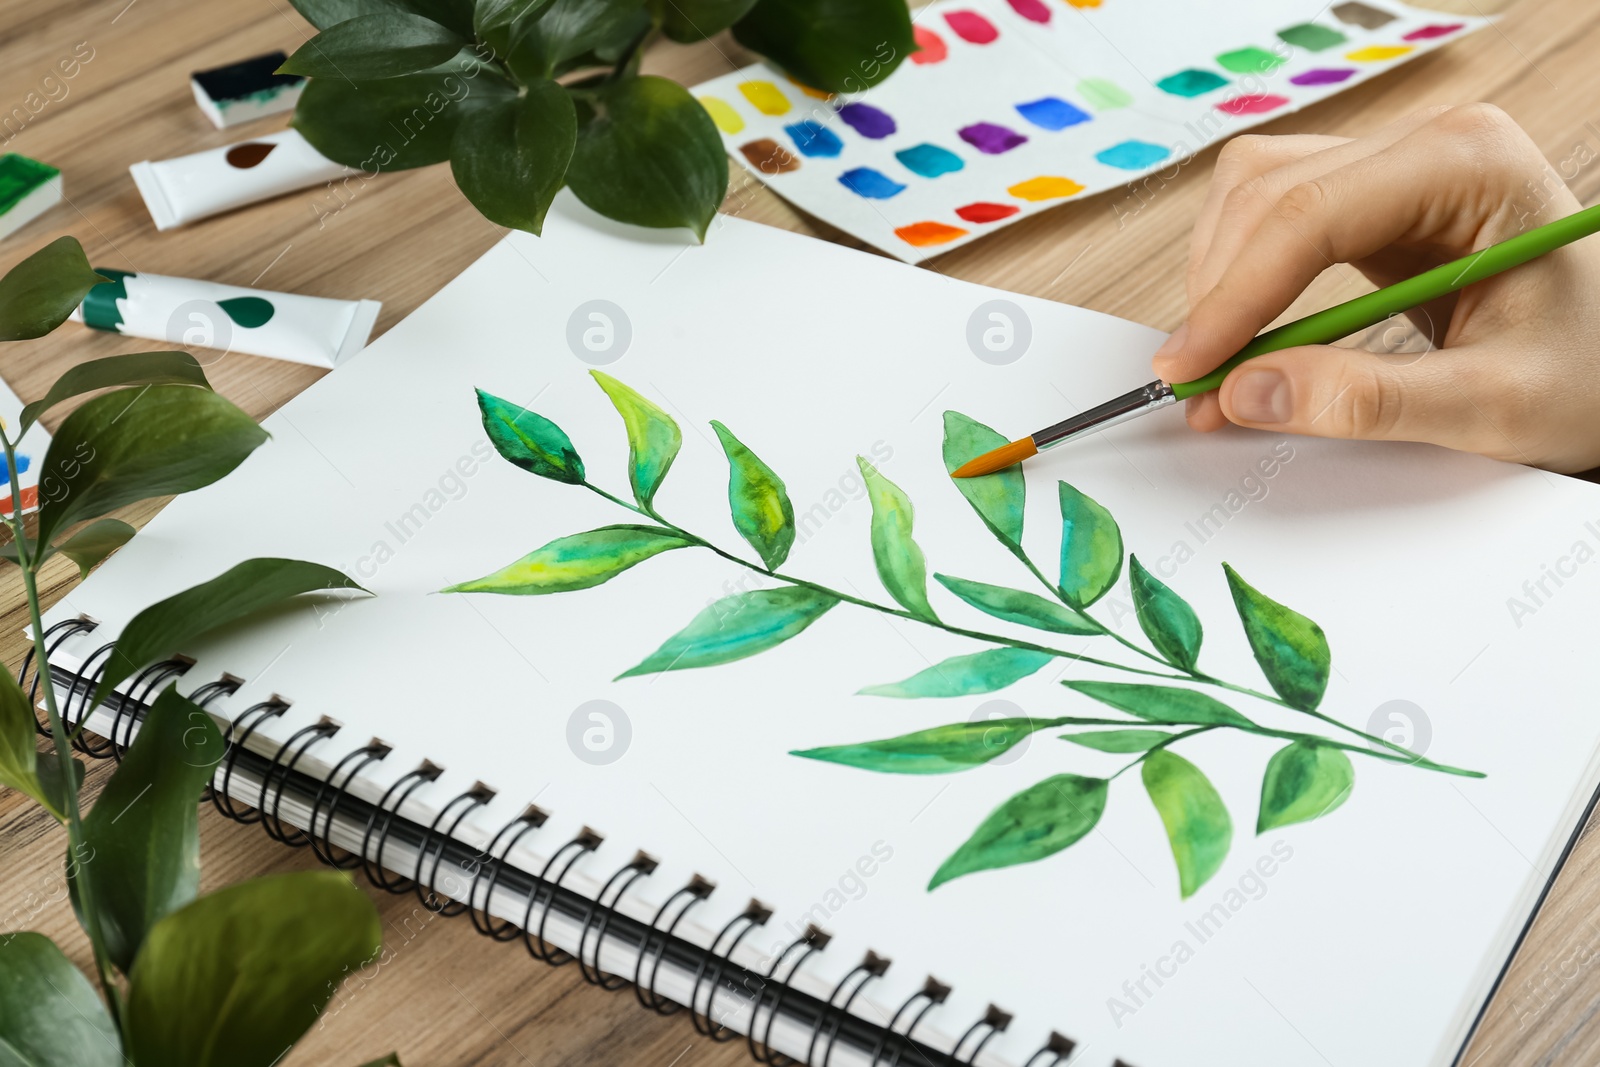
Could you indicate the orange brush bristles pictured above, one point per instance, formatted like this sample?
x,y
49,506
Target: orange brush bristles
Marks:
x,y
998,460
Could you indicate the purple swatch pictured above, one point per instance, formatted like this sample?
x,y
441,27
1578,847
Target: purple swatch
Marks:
x,y
989,138
1322,76
867,120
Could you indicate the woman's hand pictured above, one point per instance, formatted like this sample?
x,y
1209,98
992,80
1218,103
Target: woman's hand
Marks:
x,y
1517,372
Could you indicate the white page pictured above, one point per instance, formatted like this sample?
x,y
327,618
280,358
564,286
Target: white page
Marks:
x,y
1406,556
1104,63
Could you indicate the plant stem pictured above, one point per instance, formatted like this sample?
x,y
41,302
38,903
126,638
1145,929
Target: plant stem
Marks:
x,y
1157,747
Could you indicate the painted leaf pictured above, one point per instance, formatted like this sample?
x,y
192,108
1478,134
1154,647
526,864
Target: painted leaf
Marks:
x,y
370,47
1014,605
1037,822
1304,780
39,293
529,440
1162,703
959,746
960,676
901,567
20,757
653,438
737,626
138,368
759,500
1091,548
998,498
1292,650
50,1016
1119,740
510,159
578,561
1165,617
1198,827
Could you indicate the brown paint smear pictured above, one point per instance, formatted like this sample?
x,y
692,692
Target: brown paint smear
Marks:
x,y
1356,14
769,157
247,155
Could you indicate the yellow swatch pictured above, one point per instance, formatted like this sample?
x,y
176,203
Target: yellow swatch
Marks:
x,y
727,119
1084,3
766,97
815,94
1044,188
1375,52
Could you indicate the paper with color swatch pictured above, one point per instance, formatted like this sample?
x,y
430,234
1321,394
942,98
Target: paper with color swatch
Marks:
x,y
1011,107
30,455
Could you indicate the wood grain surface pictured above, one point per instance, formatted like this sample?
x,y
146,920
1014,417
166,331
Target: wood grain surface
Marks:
x,y
446,996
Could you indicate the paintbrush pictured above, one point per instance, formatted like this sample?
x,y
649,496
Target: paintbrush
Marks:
x,y
1323,327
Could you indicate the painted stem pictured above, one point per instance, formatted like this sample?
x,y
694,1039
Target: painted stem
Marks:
x,y
1174,739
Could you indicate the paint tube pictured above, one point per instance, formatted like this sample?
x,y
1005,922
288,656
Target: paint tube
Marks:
x,y
302,329
188,188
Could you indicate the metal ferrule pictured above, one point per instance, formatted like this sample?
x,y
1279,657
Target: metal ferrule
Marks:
x,y
1130,405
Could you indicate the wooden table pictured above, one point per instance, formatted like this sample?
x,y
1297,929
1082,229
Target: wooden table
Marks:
x,y
446,995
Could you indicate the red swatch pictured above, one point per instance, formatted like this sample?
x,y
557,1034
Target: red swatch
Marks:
x,y
931,47
1032,10
30,500
985,212
972,27
1428,33
1254,104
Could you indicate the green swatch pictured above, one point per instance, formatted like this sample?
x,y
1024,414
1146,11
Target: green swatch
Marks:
x,y
1250,60
1103,94
1311,37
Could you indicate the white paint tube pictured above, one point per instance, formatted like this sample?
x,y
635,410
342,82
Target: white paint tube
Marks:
x,y
188,188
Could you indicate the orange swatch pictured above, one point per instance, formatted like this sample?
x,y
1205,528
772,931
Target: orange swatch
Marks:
x,y
923,234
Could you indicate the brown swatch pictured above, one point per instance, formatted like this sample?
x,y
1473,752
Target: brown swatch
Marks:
x,y
769,157
244,156
1355,14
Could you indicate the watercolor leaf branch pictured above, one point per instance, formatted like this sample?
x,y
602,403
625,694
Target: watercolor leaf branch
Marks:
x,y
1306,778
523,97
242,972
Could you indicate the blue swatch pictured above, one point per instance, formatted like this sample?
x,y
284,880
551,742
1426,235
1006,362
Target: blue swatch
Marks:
x,y
1051,113
23,463
814,139
1191,82
1132,155
864,181
929,160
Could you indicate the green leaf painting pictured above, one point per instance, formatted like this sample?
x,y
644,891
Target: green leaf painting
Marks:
x,y
998,498
1120,740
957,747
759,500
580,561
653,438
1162,703
1038,822
1292,650
50,1016
1198,826
1091,548
900,563
1026,609
960,676
736,627
1304,780
1165,617
529,441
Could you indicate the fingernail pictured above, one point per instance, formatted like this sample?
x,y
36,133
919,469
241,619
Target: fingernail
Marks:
x,y
1262,396
1167,355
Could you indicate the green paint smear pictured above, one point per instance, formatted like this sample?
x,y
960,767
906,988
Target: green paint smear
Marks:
x,y
247,311
259,97
100,304
1191,82
1250,60
1311,37
20,176
1103,94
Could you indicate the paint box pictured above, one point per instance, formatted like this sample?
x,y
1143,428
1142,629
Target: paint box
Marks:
x,y
244,91
28,189
188,188
314,330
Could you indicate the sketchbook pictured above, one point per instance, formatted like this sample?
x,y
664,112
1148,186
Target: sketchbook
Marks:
x,y
685,656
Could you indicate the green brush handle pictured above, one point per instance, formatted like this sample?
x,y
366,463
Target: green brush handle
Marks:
x,y
1342,320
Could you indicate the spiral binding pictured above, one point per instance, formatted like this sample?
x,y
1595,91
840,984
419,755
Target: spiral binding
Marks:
x,y
714,975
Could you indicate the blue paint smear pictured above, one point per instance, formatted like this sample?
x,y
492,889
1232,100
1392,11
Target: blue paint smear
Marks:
x,y
864,181
929,160
814,139
23,463
1051,113
1132,155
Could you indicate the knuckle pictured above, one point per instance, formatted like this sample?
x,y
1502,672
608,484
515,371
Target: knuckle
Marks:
x,y
1477,122
1303,201
1369,403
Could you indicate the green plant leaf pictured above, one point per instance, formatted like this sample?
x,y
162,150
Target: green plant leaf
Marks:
x,y
1304,780
20,758
238,592
50,1016
737,626
686,21
1119,740
648,154
510,159
94,543
39,293
998,498
1162,703
55,782
578,561
391,1060
134,444
759,501
1165,617
372,47
251,966
941,750
1091,548
1198,827
617,42
562,30
1292,650
455,14
653,438
138,368
1014,605
144,828
529,440
841,46
960,676
1037,822
900,563
491,17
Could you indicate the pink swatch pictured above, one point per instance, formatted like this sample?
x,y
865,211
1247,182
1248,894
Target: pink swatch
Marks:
x,y
930,47
1032,10
1253,104
972,27
1428,33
